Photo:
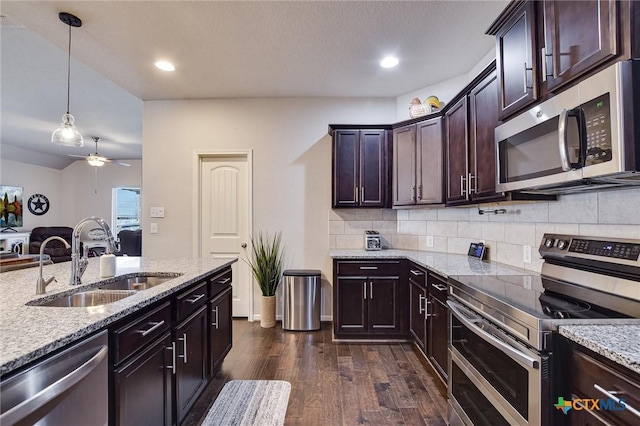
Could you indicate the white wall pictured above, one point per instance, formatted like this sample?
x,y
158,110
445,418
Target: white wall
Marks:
x,y
87,197
291,167
71,192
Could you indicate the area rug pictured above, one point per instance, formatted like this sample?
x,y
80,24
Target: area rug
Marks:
x,y
250,403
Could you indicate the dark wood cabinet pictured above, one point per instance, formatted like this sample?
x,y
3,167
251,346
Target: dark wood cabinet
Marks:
x,y
438,323
417,163
469,127
191,361
220,328
593,376
142,387
483,119
579,35
417,305
456,141
360,168
369,300
517,60
164,356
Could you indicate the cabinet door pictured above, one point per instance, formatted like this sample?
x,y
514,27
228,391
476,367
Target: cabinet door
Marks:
x,y
417,323
142,387
404,166
438,333
350,305
429,162
219,328
345,168
383,315
483,110
456,143
373,170
578,36
191,360
516,61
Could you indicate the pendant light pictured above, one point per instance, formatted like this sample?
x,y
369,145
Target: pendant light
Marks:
x,y
67,134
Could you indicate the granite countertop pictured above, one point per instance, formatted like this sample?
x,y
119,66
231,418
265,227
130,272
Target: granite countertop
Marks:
x,y
29,332
444,264
619,343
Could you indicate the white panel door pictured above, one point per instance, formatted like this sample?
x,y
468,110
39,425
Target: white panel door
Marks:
x,y
224,184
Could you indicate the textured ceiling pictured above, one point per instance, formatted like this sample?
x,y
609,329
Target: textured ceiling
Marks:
x,y
221,50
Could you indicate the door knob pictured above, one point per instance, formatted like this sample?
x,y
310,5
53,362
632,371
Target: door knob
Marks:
x,y
244,245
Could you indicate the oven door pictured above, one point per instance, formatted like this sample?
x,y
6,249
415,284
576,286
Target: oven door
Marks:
x,y
493,379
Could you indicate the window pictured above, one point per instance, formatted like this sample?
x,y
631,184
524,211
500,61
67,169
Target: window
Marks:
x,y
125,209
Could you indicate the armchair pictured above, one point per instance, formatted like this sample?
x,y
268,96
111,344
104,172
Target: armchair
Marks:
x,y
55,249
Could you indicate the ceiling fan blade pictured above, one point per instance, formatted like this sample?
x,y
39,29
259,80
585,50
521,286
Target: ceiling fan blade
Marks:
x,y
77,156
119,163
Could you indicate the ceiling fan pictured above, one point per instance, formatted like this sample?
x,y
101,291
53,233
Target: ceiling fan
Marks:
x,y
97,160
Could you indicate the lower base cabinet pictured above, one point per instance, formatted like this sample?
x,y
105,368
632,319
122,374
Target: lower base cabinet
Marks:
x,y
164,356
143,391
191,364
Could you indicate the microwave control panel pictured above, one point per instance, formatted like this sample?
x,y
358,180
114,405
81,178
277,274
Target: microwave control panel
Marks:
x,y
598,126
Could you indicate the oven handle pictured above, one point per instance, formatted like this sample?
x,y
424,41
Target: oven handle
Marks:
x,y
509,350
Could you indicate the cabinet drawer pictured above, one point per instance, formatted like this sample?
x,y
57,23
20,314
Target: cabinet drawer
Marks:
x,y
134,335
417,274
189,301
219,283
438,287
359,268
623,383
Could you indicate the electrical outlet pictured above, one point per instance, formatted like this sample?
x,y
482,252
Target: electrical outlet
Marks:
x,y
526,281
157,211
153,228
429,240
526,254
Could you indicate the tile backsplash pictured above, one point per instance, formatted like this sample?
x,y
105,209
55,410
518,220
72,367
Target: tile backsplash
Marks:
x,y
600,214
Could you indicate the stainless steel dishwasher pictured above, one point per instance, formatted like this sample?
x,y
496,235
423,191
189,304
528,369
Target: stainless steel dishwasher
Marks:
x,y
68,388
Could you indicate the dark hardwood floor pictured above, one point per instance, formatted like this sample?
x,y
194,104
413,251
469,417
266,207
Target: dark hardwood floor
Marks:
x,y
332,383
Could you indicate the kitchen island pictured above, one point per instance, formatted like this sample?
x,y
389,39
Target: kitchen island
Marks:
x,y
30,332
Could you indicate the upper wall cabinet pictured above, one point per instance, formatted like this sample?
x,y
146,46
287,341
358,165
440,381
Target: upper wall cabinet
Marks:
x,y
578,36
516,60
417,175
542,47
360,167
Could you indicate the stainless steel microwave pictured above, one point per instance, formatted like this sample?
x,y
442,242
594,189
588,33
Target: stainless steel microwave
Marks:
x,y
587,137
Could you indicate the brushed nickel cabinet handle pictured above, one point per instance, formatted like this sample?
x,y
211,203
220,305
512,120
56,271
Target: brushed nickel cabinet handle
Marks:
x,y
183,339
195,299
463,191
226,280
440,287
154,326
612,395
215,323
172,348
472,187
372,268
420,305
371,290
355,190
416,273
362,194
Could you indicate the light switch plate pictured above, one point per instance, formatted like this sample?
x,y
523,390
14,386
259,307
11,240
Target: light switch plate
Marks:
x,y
526,254
153,228
157,211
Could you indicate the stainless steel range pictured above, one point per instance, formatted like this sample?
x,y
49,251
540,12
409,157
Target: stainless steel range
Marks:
x,y
504,347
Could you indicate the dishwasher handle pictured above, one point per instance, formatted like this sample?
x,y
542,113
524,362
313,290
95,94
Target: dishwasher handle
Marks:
x,y
51,392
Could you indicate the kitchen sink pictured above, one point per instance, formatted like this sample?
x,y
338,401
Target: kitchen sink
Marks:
x,y
138,283
86,299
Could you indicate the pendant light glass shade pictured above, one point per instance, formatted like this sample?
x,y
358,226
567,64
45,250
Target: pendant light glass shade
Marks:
x,y
67,134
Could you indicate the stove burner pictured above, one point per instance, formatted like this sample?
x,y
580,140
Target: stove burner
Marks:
x,y
564,308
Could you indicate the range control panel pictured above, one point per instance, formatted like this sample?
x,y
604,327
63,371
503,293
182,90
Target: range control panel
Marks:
x,y
565,245
627,251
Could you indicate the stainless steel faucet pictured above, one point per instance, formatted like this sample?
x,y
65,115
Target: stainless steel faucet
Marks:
x,y
42,283
79,262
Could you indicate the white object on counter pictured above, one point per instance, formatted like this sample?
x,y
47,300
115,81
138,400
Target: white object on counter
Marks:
x,y
107,265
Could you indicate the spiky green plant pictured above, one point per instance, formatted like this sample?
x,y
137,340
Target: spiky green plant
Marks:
x,y
266,260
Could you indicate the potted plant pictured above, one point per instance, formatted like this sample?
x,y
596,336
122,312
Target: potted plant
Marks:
x,y
266,261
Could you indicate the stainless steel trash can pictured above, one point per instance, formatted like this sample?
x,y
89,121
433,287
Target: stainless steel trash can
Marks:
x,y
301,300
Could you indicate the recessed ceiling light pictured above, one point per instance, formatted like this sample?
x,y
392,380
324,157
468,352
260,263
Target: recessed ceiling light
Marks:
x,y
389,62
165,66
